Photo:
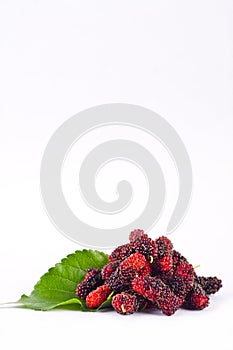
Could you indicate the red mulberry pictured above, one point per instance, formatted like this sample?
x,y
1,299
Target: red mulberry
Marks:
x,y
164,260
196,299
164,246
164,264
184,273
97,297
158,292
182,281
124,303
135,264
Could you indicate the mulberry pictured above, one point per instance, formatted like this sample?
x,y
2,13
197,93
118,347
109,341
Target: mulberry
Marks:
x,y
121,252
142,303
184,273
164,264
117,282
164,246
196,299
158,292
108,269
90,273
91,281
146,246
182,281
164,260
137,234
210,285
124,303
97,297
178,259
135,264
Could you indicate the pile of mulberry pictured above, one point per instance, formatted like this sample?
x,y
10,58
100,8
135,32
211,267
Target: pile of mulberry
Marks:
x,y
147,274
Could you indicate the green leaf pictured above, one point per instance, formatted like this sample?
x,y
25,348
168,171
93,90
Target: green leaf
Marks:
x,y
56,288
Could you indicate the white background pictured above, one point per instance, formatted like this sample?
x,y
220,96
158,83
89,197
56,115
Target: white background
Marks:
x,y
60,57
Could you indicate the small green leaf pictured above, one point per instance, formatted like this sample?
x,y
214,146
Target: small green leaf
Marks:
x,y
56,288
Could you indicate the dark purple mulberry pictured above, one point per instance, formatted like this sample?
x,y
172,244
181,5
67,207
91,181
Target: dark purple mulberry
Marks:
x,y
137,234
178,259
91,281
90,273
121,252
145,246
210,285
117,282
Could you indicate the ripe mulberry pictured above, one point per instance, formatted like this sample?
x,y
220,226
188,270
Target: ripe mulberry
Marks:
x,y
108,269
164,246
97,297
158,292
164,260
90,273
182,281
135,264
178,259
137,234
121,252
146,246
163,264
196,299
91,281
117,282
210,285
124,303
